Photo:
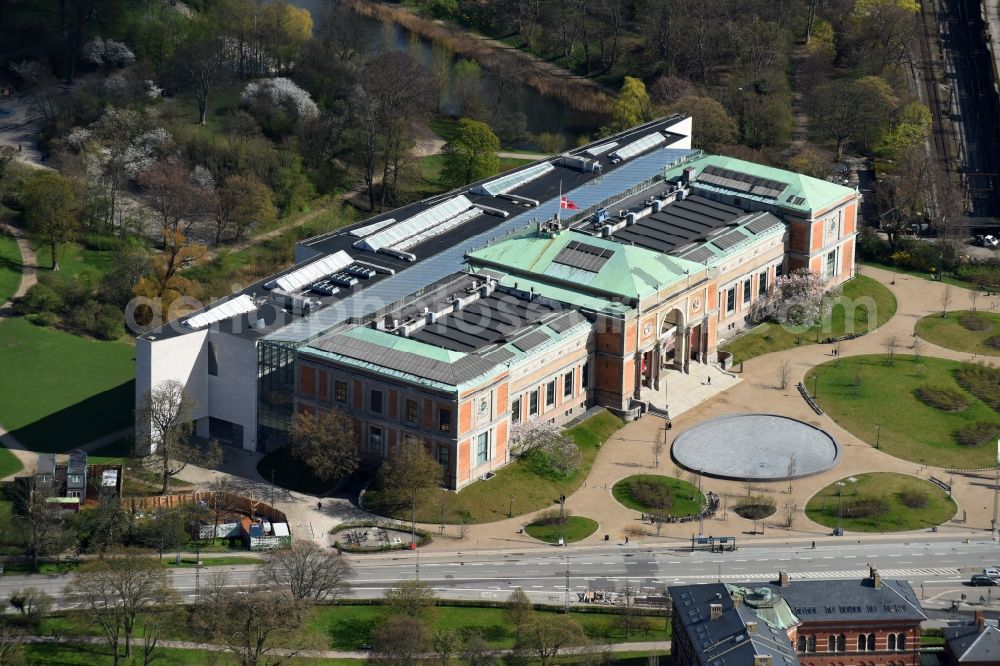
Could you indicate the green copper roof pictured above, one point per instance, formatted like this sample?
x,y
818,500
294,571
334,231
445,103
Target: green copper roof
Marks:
x,y
399,343
629,271
768,605
817,194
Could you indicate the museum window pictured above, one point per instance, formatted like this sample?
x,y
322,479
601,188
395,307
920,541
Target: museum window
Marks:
x,y
213,361
831,264
340,391
482,447
515,410
762,283
811,644
444,456
861,642
568,383
801,644
831,644
375,439
731,299
550,393
747,290
375,401
444,420
585,375
411,411
533,403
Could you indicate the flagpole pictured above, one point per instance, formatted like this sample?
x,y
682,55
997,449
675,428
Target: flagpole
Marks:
x,y
559,209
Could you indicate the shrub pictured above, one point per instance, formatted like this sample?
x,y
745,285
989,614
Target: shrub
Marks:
x,y
982,381
47,319
941,397
975,322
993,341
977,434
651,494
551,517
913,499
866,507
40,298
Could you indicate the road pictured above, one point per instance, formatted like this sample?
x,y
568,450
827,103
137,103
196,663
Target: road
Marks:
x,y
937,569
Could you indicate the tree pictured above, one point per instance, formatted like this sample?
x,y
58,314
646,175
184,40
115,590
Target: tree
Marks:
x,y
325,442
447,643
945,300
179,202
309,572
257,623
891,342
847,109
12,645
412,598
546,635
40,527
632,106
812,161
408,472
115,591
555,450
199,67
243,202
518,610
659,444
784,374
713,127
401,641
50,205
164,418
32,603
477,652
799,300
914,125
471,155
973,296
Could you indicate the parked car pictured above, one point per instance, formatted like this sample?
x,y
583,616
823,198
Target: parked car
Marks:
x,y
986,241
982,580
992,572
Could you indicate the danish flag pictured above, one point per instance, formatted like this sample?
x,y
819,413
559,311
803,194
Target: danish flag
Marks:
x,y
567,204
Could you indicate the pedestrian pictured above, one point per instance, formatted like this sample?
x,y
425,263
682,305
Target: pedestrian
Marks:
x,y
626,540
319,505
814,545
18,147
670,424
710,380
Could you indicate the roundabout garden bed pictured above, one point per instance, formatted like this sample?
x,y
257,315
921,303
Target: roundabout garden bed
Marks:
x,y
549,528
881,502
879,404
655,494
963,330
755,508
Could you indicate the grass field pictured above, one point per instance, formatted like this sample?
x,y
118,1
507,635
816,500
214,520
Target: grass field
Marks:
x,y
486,501
575,528
908,428
687,499
9,463
59,390
10,267
98,655
74,258
889,511
930,277
948,332
850,313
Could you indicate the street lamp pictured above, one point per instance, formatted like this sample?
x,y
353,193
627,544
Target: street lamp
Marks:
x,y
840,512
510,507
815,385
877,428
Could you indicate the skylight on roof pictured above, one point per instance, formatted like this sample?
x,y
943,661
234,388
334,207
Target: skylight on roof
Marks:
x,y
310,273
639,146
514,180
425,224
231,308
368,230
601,149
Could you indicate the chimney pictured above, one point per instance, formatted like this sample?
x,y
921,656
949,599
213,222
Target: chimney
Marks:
x,y
762,660
714,611
980,621
751,628
688,175
784,580
875,577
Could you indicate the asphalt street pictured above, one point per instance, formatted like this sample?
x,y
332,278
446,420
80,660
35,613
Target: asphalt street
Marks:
x,y
937,569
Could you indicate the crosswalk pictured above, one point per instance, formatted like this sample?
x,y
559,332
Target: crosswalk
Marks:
x,y
822,575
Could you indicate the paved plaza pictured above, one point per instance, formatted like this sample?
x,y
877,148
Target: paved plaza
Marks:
x,y
758,447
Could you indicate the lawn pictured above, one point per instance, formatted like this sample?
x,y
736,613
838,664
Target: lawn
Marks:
x,y
10,267
948,279
487,501
349,627
9,463
98,655
882,502
574,528
850,314
950,333
74,258
60,390
679,498
292,474
907,427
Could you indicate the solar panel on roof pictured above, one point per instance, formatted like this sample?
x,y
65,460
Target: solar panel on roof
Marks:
x,y
426,223
742,182
727,241
583,256
531,340
639,146
310,273
762,224
701,255
237,306
514,180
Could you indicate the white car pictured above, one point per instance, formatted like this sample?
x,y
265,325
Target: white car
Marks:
x,y
992,572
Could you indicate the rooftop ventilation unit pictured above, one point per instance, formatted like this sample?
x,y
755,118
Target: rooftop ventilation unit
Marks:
x,y
512,181
639,146
311,273
242,304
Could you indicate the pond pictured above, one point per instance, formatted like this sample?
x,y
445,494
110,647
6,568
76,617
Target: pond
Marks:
x,y
518,115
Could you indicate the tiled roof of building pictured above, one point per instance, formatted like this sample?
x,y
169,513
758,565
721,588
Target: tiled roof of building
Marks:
x,y
727,639
801,193
857,598
972,646
587,263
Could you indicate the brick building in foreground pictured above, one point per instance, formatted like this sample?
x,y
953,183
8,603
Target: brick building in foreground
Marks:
x,y
866,622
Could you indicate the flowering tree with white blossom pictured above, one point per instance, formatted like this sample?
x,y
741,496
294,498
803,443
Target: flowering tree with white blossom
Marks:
x,y
800,299
281,92
546,441
107,54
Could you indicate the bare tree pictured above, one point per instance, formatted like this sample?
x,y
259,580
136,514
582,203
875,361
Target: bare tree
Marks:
x,y
11,645
401,640
199,67
257,623
164,417
793,466
413,598
789,514
547,635
784,374
945,300
31,603
891,342
973,295
518,609
407,473
857,380
309,572
917,342
115,591
659,444
838,349
477,652
447,643
39,526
